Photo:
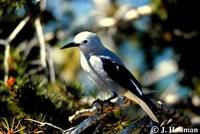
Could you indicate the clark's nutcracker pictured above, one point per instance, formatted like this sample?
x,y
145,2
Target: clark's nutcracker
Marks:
x,y
108,71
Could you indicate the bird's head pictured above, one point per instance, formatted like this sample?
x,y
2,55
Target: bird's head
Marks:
x,y
86,41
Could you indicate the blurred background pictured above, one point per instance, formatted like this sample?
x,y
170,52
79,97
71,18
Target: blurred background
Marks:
x,y
157,40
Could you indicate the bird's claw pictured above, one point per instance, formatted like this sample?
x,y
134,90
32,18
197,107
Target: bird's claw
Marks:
x,y
98,101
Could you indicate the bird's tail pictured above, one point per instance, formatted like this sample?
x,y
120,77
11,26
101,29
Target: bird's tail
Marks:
x,y
143,103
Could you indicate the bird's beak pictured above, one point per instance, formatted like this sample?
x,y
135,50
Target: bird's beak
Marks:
x,y
71,44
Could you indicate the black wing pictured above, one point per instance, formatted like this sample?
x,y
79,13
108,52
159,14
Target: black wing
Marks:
x,y
122,76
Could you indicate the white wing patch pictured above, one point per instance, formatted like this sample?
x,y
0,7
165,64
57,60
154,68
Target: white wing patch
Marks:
x,y
96,63
139,91
97,66
117,68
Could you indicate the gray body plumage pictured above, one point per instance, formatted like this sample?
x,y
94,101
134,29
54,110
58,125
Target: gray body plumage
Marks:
x,y
93,66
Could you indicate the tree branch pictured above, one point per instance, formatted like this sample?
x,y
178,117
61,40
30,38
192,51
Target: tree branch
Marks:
x,y
45,124
18,29
41,42
7,42
99,110
6,64
51,65
82,113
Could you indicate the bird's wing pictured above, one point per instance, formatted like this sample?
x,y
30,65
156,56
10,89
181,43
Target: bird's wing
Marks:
x,y
121,75
118,73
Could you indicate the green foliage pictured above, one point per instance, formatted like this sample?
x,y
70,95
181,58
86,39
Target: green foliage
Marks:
x,y
9,6
11,126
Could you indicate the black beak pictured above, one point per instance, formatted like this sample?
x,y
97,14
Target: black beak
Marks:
x,y
71,44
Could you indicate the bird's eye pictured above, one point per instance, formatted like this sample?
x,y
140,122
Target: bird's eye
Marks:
x,y
85,41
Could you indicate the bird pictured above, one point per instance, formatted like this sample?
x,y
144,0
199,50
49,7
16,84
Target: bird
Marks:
x,y
108,71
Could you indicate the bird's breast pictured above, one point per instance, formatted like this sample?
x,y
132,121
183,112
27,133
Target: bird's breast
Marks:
x,y
84,63
90,71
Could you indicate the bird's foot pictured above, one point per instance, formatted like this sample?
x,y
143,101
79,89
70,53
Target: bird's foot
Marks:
x,y
114,95
103,104
98,101
98,104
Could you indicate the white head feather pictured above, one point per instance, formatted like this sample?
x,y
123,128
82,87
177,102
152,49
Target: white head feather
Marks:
x,y
88,42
